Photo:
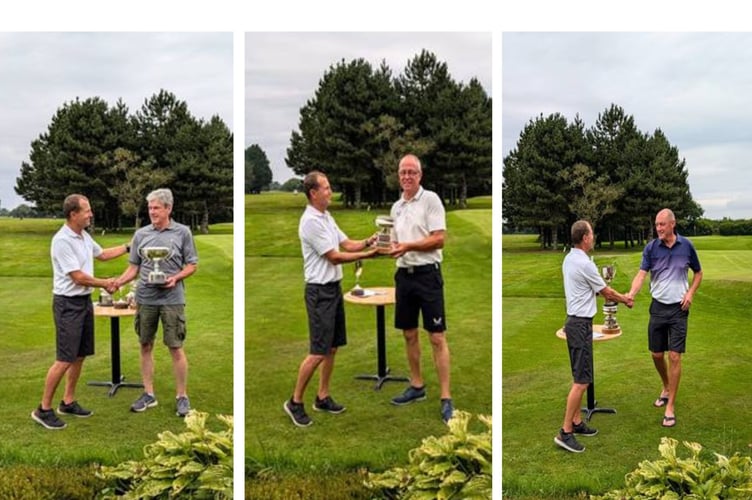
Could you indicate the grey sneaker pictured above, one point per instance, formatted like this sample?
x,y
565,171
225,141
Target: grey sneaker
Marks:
x,y
183,406
567,441
144,401
583,430
74,409
447,410
297,413
48,419
328,404
410,395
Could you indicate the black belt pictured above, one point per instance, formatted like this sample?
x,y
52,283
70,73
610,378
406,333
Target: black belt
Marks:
x,y
427,268
324,285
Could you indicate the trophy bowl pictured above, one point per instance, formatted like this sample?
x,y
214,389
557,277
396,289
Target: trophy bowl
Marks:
x,y
384,238
156,255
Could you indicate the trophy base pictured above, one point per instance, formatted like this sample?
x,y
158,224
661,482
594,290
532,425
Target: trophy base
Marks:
x,y
157,279
611,331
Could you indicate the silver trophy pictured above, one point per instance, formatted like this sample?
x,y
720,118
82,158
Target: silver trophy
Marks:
x,y
610,307
156,255
384,238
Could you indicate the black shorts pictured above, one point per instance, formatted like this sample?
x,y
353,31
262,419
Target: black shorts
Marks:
x,y
74,327
419,290
580,344
667,329
326,317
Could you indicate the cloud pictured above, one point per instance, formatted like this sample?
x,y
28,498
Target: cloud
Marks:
x,y
283,70
42,71
693,86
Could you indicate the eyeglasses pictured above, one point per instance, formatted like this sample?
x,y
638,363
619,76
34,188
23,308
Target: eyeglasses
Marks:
x,y
409,173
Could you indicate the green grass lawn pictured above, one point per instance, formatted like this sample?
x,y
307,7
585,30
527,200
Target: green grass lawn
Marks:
x,y
27,349
372,432
713,404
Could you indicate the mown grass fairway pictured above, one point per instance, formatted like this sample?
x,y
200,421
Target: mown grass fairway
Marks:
x,y
372,432
713,404
27,349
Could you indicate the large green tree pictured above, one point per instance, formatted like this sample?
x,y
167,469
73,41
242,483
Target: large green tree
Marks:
x,y
612,175
75,155
334,128
258,173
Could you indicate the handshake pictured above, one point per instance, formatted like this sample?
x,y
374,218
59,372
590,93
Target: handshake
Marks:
x,y
111,285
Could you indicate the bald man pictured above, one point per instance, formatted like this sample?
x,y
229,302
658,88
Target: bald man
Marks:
x,y
668,259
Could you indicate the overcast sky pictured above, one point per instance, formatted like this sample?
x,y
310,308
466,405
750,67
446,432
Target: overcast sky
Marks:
x,y
283,70
43,71
695,87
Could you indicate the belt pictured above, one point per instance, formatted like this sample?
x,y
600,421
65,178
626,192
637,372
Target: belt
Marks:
x,y
421,269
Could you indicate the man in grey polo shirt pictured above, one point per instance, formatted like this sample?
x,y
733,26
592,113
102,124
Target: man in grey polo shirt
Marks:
x,y
162,302
581,282
419,230
321,240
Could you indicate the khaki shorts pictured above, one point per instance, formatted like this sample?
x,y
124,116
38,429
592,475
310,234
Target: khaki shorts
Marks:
x,y
146,323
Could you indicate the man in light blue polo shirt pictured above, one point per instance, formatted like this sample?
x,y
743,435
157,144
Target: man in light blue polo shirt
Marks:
x,y
668,258
581,283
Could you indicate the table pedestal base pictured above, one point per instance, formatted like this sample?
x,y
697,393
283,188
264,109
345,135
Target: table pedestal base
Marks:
x,y
114,386
591,404
380,379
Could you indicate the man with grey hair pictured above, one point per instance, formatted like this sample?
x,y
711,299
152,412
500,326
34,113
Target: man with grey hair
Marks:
x,y
668,258
163,302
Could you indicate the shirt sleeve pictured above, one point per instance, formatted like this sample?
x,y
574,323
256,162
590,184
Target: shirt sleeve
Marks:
x,y
315,235
645,264
593,278
435,214
190,255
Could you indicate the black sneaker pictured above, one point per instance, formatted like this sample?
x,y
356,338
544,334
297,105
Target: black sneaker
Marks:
x,y
328,404
74,409
567,441
297,413
583,430
410,395
48,419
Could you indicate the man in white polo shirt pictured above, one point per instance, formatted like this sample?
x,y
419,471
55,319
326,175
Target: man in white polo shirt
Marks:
x,y
321,240
419,230
73,252
581,282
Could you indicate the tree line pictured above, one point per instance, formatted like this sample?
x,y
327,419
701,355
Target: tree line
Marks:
x,y
116,159
362,119
611,174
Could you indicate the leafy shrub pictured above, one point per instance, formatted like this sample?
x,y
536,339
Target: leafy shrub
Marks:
x,y
194,464
20,482
696,477
455,465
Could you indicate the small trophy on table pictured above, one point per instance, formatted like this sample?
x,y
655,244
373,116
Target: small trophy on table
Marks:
x,y
357,290
156,255
611,326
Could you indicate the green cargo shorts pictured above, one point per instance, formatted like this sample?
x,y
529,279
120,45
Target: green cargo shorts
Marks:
x,y
146,323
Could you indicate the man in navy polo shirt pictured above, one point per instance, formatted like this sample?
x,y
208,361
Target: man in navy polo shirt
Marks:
x,y
668,258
